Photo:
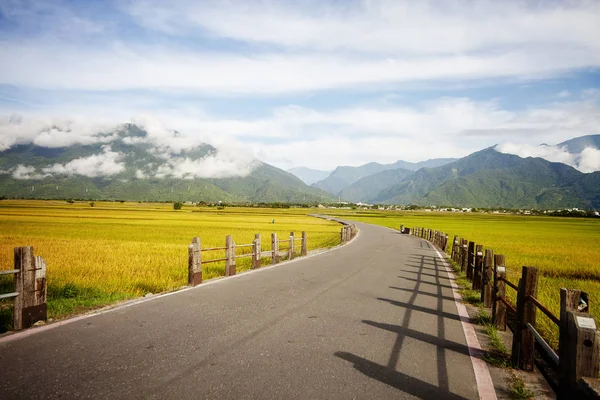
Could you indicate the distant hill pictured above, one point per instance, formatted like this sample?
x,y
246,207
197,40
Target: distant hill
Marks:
x,y
488,178
132,168
577,145
344,176
309,175
364,189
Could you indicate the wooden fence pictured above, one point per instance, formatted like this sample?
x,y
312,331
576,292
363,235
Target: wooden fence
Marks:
x,y
579,339
195,251
29,288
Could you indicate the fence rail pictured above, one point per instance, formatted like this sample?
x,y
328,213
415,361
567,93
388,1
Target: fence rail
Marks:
x,y
579,340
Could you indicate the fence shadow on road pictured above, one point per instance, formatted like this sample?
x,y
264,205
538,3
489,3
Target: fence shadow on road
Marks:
x,y
436,336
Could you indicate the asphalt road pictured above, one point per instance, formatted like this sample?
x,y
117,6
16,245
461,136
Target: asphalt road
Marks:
x,y
374,319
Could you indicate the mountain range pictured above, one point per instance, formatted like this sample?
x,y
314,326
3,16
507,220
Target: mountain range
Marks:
x,y
487,178
344,176
134,163
309,175
135,166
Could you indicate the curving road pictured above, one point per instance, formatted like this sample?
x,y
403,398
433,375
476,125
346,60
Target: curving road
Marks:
x,y
374,319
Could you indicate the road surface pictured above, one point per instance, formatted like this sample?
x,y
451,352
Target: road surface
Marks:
x,y
374,319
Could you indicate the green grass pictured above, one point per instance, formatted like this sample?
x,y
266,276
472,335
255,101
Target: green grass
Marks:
x,y
116,251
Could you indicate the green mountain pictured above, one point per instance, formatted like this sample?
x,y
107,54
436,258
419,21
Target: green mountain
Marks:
x,y
132,167
309,175
343,177
577,145
491,179
363,189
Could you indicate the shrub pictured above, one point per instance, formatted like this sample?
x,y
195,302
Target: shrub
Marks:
x,y
177,205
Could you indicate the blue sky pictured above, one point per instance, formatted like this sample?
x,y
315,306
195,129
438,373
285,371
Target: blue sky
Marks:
x,y
306,83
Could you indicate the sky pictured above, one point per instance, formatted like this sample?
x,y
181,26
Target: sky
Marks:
x,y
306,83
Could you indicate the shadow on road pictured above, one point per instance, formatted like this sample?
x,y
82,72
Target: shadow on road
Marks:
x,y
389,373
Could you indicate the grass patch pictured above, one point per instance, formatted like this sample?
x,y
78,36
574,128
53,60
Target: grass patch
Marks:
x,y
483,317
518,389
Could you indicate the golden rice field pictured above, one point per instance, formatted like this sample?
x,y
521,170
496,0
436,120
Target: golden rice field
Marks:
x,y
566,250
112,251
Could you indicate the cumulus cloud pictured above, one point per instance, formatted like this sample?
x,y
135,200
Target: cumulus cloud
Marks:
x,y
104,164
26,172
223,164
48,131
586,161
589,160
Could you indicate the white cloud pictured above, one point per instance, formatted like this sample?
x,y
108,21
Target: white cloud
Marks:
x,y
104,164
61,66
381,26
47,131
589,160
26,172
223,164
586,161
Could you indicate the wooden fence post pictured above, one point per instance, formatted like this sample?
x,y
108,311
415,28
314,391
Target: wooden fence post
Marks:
x,y
487,278
478,267
304,248
194,263
498,306
292,250
275,248
230,255
256,251
470,260
578,361
463,256
581,352
30,305
445,243
523,345
453,254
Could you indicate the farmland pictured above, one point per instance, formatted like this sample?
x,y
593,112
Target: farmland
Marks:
x,y
116,251
566,250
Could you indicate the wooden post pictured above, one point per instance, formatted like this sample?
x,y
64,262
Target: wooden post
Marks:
x,y
487,278
575,363
230,255
304,248
194,263
30,283
256,251
445,243
498,307
581,354
292,250
275,248
463,256
478,267
470,260
343,234
453,254
523,341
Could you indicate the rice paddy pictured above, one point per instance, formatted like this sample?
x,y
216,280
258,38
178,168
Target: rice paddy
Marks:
x,y
116,251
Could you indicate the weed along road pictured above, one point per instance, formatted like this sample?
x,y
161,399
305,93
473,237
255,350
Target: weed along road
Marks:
x,y
374,319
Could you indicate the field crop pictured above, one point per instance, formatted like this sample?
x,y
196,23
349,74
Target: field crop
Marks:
x,y
115,251
566,250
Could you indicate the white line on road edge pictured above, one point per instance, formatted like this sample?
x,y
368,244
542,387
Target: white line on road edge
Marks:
x,y
485,385
34,330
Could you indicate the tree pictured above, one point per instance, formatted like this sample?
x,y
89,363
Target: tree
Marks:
x,y
177,205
